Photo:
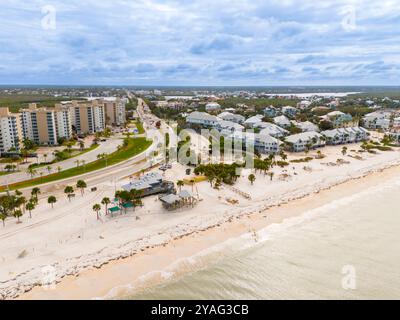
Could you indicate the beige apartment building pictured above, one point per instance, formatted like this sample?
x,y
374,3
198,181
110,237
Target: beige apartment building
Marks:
x,y
115,111
87,117
39,125
10,131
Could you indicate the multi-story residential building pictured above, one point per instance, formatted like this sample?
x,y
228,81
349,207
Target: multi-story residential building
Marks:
x,y
337,118
202,118
115,112
262,143
303,141
87,117
396,123
345,135
272,130
63,121
377,120
228,116
228,127
289,111
270,112
10,131
39,125
282,121
212,106
253,121
306,126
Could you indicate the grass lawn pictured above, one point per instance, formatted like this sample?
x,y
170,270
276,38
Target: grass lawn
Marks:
x,y
139,126
74,153
4,173
134,147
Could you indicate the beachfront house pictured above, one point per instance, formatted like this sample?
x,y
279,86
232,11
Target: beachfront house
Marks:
x,y
289,111
202,119
345,135
377,120
150,184
228,116
304,141
272,130
262,143
282,121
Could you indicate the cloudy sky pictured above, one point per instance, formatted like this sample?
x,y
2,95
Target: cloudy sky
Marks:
x,y
203,42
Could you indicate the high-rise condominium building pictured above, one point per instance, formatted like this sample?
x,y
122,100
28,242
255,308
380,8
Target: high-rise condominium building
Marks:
x,y
87,117
115,111
39,125
63,121
10,131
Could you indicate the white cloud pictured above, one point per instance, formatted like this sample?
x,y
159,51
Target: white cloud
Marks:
x,y
177,42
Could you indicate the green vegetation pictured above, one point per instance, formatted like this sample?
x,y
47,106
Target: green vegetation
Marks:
x,y
132,147
16,102
221,172
132,104
307,159
139,126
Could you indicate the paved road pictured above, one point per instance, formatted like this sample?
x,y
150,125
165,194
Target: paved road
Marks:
x,y
115,173
105,147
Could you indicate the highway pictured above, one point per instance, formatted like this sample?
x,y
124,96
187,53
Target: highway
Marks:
x,y
113,174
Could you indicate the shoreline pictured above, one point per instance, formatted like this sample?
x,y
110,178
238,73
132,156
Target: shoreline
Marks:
x,y
144,266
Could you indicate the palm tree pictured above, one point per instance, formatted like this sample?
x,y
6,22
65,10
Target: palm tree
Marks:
x,y
31,171
48,169
30,206
51,200
180,184
271,175
59,169
45,157
3,218
18,214
81,145
18,193
77,163
81,185
35,192
344,150
252,178
97,208
106,201
68,191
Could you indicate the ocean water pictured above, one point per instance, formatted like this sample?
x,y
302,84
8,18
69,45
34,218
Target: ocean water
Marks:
x,y
347,249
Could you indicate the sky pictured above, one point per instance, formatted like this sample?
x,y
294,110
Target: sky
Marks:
x,y
200,42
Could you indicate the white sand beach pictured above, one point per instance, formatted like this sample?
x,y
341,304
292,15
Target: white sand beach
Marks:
x,y
91,258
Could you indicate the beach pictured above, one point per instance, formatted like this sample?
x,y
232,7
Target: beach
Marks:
x,y
124,255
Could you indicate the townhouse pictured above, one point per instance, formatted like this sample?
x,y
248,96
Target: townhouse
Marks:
x,y
345,135
377,120
202,118
265,144
228,116
282,121
289,111
306,126
305,141
272,130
